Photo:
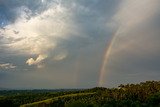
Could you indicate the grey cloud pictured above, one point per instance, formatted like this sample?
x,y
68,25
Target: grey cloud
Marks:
x,y
81,34
135,52
75,57
8,9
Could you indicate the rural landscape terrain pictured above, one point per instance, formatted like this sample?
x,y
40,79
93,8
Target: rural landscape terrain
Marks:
x,y
145,94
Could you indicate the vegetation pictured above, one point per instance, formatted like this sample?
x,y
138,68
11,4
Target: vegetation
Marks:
x,y
145,94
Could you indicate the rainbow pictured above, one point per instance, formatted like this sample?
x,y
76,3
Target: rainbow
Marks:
x,y
107,53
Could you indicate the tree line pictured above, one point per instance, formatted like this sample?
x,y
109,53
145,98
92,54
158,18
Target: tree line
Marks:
x,y
144,94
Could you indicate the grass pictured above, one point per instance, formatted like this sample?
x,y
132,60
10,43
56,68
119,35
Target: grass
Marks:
x,y
51,100
2,97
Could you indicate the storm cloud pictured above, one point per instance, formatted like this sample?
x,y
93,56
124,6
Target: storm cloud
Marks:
x,y
63,42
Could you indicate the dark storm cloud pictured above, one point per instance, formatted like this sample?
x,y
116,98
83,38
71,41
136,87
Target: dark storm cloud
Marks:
x,y
9,8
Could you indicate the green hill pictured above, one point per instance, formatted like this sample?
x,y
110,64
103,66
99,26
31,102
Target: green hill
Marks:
x,y
51,101
145,94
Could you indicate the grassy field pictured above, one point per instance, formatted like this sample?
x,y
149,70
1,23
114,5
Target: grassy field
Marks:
x,y
44,103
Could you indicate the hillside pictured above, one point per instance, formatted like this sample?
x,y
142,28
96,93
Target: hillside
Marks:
x,y
145,94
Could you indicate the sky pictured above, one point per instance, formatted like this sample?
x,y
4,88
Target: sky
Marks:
x,y
52,44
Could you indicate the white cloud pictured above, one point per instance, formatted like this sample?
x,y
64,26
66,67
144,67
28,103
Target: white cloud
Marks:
x,y
38,35
7,66
37,61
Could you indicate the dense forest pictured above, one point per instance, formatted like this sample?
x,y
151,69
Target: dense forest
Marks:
x,y
144,94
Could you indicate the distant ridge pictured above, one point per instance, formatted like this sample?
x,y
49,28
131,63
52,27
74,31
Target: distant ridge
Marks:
x,y
1,88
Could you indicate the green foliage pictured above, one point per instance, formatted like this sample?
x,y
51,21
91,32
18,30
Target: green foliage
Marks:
x,y
145,94
154,99
79,104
